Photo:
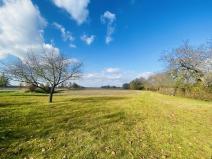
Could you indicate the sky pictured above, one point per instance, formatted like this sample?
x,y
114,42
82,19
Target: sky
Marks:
x,y
117,40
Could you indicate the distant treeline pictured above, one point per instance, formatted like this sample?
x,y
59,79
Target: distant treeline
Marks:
x,y
46,88
110,87
188,73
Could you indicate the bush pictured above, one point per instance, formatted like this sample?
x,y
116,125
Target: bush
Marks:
x,y
46,88
136,84
126,86
110,87
31,88
75,86
34,88
4,81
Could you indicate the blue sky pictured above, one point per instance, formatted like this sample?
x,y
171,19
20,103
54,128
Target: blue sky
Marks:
x,y
137,32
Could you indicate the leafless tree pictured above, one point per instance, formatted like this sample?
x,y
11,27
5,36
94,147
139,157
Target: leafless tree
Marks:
x,y
187,64
158,80
47,67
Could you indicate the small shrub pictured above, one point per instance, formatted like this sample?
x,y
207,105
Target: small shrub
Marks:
x,y
136,85
126,86
31,88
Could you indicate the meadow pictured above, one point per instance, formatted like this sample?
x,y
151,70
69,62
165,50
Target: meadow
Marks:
x,y
104,124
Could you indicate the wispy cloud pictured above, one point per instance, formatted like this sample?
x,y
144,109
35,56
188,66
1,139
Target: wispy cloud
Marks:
x,y
66,35
77,9
88,39
109,19
108,76
146,75
72,45
112,70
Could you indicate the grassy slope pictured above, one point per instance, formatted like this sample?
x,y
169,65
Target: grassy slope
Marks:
x,y
104,124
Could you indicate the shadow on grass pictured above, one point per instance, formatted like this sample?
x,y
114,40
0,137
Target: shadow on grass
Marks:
x,y
28,94
5,104
96,99
14,104
87,114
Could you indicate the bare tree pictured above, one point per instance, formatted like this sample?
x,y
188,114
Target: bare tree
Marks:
x,y
186,63
49,67
158,80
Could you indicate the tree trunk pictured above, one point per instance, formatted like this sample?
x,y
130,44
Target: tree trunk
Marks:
x,y
175,91
51,94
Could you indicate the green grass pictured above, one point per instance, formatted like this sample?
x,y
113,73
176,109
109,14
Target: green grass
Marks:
x,y
104,124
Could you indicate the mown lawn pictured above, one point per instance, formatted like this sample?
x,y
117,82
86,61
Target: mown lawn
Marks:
x,y
104,124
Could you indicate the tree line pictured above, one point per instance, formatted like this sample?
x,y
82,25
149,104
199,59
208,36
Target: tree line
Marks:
x,y
188,72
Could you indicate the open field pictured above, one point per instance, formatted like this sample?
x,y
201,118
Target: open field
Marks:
x,y
101,124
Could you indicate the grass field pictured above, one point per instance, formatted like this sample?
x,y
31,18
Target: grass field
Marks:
x,y
104,124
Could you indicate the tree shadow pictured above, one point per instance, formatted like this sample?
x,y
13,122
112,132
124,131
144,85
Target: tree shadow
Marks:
x,y
5,104
25,94
60,117
8,104
96,99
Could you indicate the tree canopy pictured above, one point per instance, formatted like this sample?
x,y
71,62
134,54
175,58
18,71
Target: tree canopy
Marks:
x,y
49,67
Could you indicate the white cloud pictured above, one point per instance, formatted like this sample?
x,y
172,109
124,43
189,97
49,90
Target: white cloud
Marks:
x,y
72,45
88,39
97,79
112,70
49,48
66,35
77,9
3,55
73,61
108,16
110,76
109,19
21,28
146,75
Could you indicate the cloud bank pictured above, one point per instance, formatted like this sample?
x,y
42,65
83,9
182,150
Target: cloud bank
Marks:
x,y
110,76
21,27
